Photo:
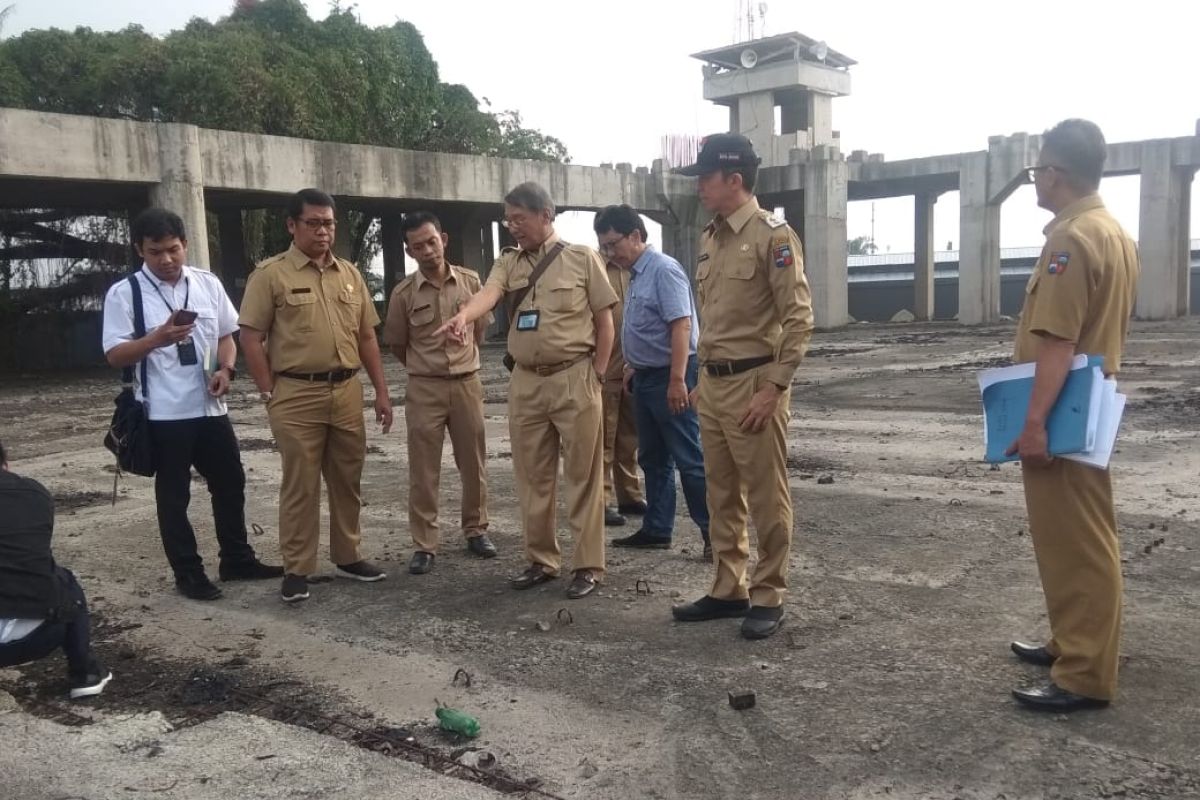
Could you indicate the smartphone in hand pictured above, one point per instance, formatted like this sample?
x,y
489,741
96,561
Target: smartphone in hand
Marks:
x,y
183,316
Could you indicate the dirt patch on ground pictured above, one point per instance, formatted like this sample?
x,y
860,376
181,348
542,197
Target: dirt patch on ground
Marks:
x,y
910,573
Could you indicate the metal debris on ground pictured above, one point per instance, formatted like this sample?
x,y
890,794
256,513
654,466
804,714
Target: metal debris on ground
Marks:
x,y
462,674
642,586
563,612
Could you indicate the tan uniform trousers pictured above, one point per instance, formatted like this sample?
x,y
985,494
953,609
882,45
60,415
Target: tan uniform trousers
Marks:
x,y
545,412
620,448
430,407
1074,531
319,430
741,466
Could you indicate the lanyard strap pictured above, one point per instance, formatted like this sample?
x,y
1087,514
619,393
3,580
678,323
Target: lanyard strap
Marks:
x,y
187,292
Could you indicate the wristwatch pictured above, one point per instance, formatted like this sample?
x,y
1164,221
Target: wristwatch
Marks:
x,y
265,396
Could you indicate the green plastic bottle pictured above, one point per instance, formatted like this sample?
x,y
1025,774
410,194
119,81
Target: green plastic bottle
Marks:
x,y
456,721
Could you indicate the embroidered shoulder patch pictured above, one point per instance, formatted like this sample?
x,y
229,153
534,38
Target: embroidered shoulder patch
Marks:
x,y
782,253
1058,263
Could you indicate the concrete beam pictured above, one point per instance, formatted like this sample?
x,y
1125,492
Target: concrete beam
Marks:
x,y
1163,224
781,75
923,260
979,246
825,236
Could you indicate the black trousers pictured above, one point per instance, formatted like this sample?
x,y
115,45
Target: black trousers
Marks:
x,y
73,636
210,445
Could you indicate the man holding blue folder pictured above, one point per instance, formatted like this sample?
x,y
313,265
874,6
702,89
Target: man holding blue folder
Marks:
x,y
1078,300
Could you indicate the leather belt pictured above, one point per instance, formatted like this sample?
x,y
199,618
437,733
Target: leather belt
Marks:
x,y
734,367
458,376
333,376
550,369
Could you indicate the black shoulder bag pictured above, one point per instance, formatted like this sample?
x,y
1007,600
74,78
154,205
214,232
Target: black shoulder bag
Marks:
x,y
129,437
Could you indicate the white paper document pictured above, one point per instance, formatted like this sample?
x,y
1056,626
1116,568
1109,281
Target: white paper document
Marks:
x,y
1108,420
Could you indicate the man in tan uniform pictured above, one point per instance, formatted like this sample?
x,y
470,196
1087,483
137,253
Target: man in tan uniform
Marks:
x,y
444,390
560,339
1078,300
755,322
622,493
308,326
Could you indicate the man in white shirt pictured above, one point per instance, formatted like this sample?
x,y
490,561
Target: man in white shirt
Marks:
x,y
189,356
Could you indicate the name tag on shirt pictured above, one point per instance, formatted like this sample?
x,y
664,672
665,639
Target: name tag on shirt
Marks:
x,y
528,320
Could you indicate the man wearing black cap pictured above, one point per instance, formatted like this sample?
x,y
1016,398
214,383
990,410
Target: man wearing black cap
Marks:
x,y
755,322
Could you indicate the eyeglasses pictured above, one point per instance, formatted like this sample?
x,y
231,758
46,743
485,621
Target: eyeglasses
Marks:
x,y
1031,172
609,247
316,224
515,222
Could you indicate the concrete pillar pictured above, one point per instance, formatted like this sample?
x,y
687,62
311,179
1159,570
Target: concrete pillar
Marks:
x,y
470,235
923,262
681,235
825,195
343,237
181,186
820,118
392,244
1163,223
756,121
235,266
979,245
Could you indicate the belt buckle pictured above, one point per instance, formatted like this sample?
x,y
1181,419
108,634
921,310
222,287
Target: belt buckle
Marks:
x,y
723,368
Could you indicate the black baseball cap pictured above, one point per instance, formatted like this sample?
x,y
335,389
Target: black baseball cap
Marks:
x,y
722,151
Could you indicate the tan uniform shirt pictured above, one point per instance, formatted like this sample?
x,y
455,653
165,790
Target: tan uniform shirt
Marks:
x,y
754,298
571,290
417,308
619,278
1083,286
312,317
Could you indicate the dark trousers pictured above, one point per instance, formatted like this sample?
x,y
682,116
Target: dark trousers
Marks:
x,y
209,445
72,636
668,441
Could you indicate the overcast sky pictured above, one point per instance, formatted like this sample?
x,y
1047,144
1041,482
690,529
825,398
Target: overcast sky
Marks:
x,y
934,76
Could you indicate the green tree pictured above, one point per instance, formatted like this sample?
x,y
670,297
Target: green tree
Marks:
x,y
266,68
861,246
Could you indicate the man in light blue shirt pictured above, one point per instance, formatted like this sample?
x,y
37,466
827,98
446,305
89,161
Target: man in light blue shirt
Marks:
x,y
658,337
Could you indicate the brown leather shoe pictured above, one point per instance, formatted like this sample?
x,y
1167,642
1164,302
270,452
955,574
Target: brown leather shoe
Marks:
x,y
583,584
532,576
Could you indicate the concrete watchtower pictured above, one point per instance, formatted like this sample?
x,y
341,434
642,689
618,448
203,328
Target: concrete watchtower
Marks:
x,y
792,72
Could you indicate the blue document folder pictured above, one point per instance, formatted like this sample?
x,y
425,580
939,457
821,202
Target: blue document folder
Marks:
x,y
1071,426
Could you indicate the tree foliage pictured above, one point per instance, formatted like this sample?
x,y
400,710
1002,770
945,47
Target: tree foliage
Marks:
x,y
267,68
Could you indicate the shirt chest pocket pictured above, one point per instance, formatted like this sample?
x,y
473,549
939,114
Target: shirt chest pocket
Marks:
x,y
206,323
423,315
298,309
563,296
349,309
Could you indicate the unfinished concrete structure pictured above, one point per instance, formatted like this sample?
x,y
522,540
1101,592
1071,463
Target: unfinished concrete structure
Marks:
x,y
807,175
95,164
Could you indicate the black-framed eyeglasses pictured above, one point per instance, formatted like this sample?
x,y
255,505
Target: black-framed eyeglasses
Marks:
x,y
316,224
608,247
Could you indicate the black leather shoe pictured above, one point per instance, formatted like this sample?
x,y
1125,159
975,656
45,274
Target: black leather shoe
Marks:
x,y
762,621
642,540
197,586
420,563
1053,698
294,588
612,518
1033,654
481,546
583,584
249,571
707,608
634,509
531,577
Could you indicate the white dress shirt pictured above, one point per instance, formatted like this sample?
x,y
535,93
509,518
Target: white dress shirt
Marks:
x,y
177,391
